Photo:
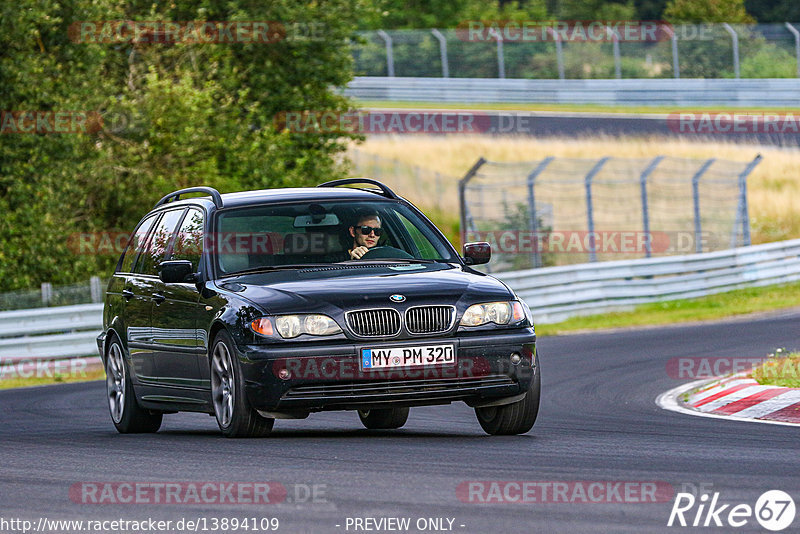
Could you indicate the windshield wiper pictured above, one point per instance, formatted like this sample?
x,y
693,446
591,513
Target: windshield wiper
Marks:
x,y
388,261
268,268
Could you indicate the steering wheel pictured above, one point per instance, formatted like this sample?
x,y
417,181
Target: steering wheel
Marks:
x,y
386,252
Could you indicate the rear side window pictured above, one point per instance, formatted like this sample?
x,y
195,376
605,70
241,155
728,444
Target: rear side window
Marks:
x,y
136,244
189,241
158,243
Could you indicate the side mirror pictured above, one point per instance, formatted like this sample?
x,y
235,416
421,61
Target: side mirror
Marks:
x,y
477,253
176,271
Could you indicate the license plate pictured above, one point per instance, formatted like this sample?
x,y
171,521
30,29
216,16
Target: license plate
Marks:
x,y
416,356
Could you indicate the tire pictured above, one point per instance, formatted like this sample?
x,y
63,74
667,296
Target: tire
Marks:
x,y
126,414
383,419
514,418
235,417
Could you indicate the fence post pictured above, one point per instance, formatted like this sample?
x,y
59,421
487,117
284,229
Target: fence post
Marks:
x,y
95,289
533,219
648,248
796,44
617,58
442,52
698,229
735,44
559,52
501,60
462,197
389,53
589,211
47,293
676,69
743,198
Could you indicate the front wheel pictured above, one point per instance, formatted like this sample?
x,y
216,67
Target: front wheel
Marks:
x,y
515,418
383,419
235,417
128,417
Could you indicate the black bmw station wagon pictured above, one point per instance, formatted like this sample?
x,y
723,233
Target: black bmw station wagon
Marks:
x,y
273,304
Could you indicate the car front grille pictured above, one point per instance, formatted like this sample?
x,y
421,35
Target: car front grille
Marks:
x,y
374,323
429,319
398,388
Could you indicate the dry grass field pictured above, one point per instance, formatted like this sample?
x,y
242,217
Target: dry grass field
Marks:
x,y
774,186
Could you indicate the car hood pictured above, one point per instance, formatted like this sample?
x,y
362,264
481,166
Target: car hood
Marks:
x,y
440,284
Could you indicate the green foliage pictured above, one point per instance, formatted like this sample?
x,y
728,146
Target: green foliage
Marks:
x,y
703,11
596,10
408,14
175,115
769,61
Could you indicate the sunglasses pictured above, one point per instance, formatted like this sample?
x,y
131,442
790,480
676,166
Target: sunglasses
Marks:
x,y
366,230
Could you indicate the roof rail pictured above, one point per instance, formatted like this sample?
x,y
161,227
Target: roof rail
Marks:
x,y
176,195
385,191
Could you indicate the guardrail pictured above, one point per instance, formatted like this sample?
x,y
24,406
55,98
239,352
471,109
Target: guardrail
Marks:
x,y
553,294
558,293
642,92
59,332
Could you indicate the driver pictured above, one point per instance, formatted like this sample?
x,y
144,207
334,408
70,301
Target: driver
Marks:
x,y
365,233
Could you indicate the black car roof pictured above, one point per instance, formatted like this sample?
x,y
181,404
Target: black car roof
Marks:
x,y
287,194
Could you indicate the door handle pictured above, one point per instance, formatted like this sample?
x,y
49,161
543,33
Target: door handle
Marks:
x,y
159,298
127,294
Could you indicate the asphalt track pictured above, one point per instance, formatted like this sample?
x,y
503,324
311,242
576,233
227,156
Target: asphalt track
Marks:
x,y
598,422
582,125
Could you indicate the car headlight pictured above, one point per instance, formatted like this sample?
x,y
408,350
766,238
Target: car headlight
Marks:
x,y
502,313
291,326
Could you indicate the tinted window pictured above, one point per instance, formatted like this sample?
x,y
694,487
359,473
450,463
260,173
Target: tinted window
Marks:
x,y
136,244
320,232
189,241
158,244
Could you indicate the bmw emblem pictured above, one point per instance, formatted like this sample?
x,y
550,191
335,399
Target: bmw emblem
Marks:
x,y
397,298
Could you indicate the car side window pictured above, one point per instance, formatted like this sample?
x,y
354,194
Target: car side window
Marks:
x,y
158,243
136,245
189,240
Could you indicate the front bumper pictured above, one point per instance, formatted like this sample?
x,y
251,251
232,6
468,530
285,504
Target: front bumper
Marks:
x,y
298,378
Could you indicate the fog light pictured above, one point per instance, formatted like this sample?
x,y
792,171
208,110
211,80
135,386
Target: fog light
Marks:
x,y
283,374
516,358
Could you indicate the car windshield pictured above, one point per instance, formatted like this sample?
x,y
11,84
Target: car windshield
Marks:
x,y
323,233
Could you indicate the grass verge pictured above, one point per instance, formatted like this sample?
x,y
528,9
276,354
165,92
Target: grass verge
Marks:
x,y
21,382
728,304
779,370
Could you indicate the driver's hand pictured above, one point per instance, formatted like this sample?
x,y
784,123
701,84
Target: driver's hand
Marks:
x,y
357,252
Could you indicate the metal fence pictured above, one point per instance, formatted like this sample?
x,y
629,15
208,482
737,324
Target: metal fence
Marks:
x,y
50,295
687,50
559,211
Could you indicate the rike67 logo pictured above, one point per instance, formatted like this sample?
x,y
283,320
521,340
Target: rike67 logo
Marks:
x,y
774,510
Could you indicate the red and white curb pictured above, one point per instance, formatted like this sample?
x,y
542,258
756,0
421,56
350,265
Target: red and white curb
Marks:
x,y
735,397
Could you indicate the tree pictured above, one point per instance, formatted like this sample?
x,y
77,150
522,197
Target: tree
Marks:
x,y
704,11
175,114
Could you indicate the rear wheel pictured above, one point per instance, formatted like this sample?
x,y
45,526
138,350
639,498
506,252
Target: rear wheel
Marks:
x,y
515,418
127,415
383,419
235,417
